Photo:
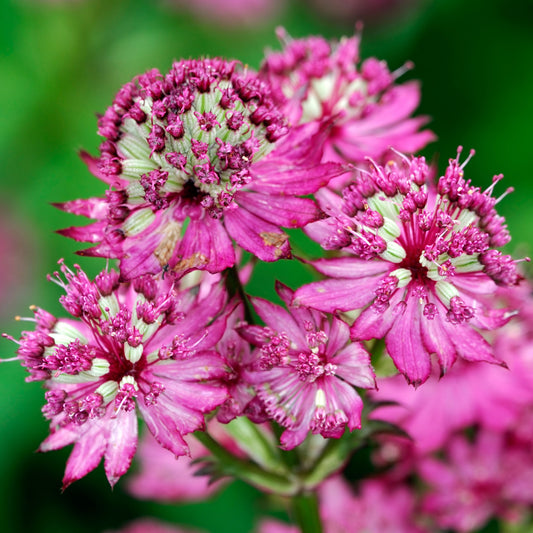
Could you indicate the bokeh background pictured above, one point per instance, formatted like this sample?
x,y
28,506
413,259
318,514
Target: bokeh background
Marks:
x,y
61,62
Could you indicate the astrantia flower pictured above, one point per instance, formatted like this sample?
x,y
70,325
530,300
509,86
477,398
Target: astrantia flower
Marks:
x,y
319,80
475,481
307,369
424,260
345,511
240,360
132,348
472,394
198,157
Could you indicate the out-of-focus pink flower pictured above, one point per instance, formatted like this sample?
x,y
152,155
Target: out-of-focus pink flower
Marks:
x,y
352,11
141,347
421,261
471,394
307,369
270,525
378,506
163,477
318,80
231,12
475,481
196,158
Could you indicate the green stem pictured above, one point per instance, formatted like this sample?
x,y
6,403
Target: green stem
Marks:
x,y
234,286
304,509
284,485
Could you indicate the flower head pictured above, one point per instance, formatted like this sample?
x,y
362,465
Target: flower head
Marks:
x,y
319,80
478,480
143,347
196,157
307,369
422,257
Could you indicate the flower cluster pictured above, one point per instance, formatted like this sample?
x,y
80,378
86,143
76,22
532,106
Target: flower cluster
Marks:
x,y
420,258
142,348
316,80
197,157
210,161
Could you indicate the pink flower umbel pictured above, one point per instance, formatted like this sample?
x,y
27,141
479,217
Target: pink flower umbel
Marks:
x,y
319,80
162,477
346,511
196,158
419,259
476,481
307,369
141,348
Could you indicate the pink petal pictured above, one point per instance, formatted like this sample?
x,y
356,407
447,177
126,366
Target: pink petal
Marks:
x,y
257,236
405,346
121,446
353,365
205,245
283,211
306,180
90,233
337,294
87,452
91,207
470,345
372,324
350,267
338,335
279,320
161,424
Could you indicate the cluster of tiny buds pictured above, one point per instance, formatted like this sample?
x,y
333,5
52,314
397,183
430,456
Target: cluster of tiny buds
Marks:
x,y
314,58
76,411
275,351
325,422
389,180
207,121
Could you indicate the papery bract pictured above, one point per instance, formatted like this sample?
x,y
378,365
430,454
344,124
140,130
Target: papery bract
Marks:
x,y
195,158
476,481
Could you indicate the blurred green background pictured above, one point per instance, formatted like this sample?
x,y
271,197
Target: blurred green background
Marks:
x,y
62,62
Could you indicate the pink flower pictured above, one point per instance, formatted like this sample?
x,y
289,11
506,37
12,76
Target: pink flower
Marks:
x,y
319,80
269,525
232,12
241,362
133,348
345,511
378,506
471,394
476,481
420,261
196,158
163,477
307,369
